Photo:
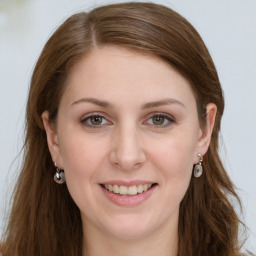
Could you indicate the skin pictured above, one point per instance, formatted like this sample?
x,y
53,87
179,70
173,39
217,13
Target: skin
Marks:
x,y
128,145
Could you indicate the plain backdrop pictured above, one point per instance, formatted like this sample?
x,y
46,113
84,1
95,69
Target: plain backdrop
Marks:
x,y
228,28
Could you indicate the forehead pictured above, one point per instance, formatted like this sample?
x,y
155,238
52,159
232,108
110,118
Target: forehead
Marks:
x,y
112,73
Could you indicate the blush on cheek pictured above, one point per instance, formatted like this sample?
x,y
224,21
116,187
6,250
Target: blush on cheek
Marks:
x,y
74,151
173,159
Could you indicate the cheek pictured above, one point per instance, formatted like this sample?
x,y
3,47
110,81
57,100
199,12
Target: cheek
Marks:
x,y
173,158
81,155
82,159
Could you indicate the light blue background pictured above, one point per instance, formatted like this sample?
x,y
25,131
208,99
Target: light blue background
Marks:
x,y
228,28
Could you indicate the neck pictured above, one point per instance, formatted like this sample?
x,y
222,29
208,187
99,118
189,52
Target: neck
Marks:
x,y
162,242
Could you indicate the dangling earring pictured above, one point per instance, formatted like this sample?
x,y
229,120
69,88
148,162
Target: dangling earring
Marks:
x,y
59,176
198,169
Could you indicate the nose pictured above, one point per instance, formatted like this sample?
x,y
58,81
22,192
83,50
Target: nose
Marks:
x,y
127,150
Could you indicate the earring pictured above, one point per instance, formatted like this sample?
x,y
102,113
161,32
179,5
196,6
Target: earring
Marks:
x,y
198,169
59,176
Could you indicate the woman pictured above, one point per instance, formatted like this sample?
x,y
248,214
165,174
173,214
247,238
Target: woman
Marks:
x,y
121,152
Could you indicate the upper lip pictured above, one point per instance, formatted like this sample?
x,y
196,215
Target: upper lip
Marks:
x,y
128,183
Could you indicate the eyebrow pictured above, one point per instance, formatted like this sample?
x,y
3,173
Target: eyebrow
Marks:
x,y
148,105
163,102
100,103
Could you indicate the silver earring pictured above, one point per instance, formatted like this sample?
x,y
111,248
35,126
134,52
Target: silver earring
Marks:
x,y
59,176
198,169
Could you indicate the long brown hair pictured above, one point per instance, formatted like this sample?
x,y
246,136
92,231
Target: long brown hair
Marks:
x,y
44,219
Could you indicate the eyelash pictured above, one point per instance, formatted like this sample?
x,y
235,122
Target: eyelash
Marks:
x,y
167,118
87,118
170,120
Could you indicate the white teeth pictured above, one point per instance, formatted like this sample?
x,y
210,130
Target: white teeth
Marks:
x,y
124,190
140,189
116,189
132,191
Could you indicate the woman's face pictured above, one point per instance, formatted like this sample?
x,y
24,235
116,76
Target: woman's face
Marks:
x,y
127,122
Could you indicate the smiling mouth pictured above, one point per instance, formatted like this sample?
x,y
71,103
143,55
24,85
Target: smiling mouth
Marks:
x,y
128,190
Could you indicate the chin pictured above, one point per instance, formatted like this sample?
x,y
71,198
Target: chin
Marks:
x,y
131,227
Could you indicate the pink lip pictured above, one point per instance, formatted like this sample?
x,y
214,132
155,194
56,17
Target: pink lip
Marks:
x,y
128,200
128,183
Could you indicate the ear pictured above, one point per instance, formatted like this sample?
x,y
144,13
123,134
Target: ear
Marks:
x,y
52,139
206,133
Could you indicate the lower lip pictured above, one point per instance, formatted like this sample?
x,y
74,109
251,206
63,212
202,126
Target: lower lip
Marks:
x,y
128,200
